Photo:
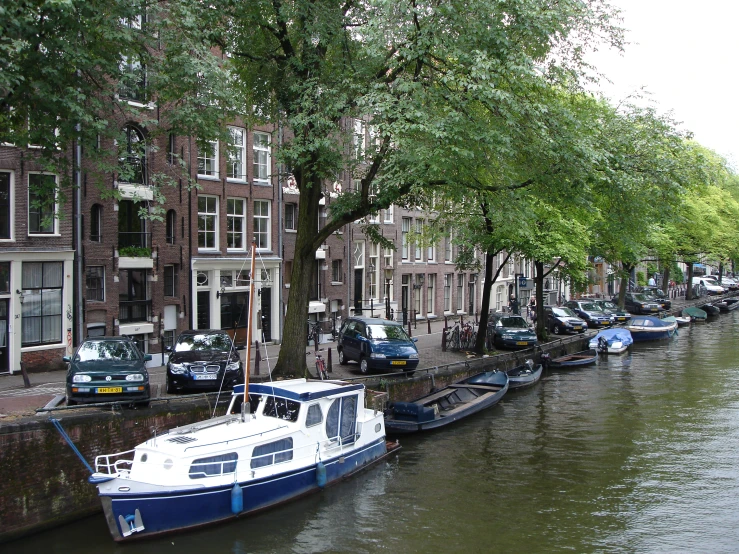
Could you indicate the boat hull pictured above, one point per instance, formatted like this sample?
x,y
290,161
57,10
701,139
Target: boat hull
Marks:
x,y
169,510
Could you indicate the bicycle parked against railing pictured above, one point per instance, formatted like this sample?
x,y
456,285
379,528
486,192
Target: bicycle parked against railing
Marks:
x,y
321,367
314,332
460,337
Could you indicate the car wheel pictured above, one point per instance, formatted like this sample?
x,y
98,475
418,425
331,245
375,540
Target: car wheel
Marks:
x,y
557,330
342,357
170,388
71,402
496,342
363,366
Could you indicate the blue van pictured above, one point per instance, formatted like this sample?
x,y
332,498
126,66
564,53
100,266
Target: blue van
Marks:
x,y
377,344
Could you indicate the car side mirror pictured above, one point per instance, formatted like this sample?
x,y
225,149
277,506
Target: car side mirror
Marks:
x,y
66,359
147,357
415,339
168,349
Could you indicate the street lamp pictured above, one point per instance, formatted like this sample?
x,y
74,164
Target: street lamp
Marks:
x,y
388,277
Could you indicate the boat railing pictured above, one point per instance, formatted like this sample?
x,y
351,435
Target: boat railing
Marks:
x,y
112,464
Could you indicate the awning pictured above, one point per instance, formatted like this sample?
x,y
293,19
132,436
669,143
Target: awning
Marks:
x,y
316,307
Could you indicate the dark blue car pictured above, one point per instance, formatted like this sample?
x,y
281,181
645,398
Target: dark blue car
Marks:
x,y
511,331
377,344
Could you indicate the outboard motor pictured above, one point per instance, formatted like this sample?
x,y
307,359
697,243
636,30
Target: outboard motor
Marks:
x,y
602,345
545,360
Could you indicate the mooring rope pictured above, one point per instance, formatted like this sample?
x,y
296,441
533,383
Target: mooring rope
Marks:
x,y
64,435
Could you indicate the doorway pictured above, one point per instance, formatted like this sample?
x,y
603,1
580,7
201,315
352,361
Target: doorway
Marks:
x,y
203,319
266,308
4,351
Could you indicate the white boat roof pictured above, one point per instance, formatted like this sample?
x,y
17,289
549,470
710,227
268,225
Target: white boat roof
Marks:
x,y
301,390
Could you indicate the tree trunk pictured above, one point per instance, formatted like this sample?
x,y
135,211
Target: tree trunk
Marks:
x,y
485,307
626,268
291,361
541,324
666,279
689,290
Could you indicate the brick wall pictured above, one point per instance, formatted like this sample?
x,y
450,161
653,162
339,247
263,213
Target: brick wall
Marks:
x,y
44,360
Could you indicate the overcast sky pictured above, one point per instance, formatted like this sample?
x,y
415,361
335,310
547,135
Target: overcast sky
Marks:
x,y
685,54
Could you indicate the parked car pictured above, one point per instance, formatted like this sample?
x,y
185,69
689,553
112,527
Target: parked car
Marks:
x,y
712,287
510,331
714,280
203,360
618,315
730,282
638,303
376,344
108,369
591,312
563,320
658,295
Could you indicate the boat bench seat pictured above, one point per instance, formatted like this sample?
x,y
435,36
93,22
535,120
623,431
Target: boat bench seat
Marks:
x,y
412,412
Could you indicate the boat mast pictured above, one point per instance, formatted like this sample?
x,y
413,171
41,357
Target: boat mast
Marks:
x,y
245,408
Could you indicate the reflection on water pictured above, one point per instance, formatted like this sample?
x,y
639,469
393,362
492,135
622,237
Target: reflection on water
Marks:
x,y
635,454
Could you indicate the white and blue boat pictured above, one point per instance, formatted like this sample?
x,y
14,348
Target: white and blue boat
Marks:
x,y
276,442
301,436
647,327
617,339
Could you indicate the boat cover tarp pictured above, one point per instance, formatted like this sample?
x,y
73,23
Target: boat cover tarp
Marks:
x,y
613,335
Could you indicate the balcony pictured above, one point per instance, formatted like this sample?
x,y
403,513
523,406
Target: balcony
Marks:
x,y
134,311
134,250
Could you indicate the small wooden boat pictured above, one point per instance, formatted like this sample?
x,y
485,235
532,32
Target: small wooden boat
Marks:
x,y
710,309
696,315
681,321
585,357
523,376
647,327
732,303
722,306
450,404
617,341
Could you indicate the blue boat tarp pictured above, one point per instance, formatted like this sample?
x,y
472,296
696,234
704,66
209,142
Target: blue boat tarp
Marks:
x,y
613,335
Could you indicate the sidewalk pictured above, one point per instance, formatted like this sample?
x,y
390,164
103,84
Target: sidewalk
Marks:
x,y
16,400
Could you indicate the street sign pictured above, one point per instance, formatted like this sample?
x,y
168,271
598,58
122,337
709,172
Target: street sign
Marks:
x,y
522,282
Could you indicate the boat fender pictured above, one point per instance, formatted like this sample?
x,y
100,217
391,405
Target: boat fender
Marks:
x,y
321,474
237,499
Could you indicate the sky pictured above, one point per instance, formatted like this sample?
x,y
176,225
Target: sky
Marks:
x,y
685,54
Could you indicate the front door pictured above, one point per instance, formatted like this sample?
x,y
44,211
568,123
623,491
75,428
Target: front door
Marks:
x,y
358,287
203,319
4,351
266,314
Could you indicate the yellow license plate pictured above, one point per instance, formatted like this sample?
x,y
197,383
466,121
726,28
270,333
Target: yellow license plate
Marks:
x,y
577,327
522,343
108,390
397,362
621,318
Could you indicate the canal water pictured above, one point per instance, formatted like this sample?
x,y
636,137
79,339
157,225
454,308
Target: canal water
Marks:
x,y
639,453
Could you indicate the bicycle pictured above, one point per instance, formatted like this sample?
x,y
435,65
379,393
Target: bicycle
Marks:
x,y
452,338
314,332
321,367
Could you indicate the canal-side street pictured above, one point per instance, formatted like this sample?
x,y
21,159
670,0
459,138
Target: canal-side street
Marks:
x,y
16,400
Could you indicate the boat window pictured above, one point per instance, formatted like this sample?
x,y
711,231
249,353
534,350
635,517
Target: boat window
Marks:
x,y
272,453
213,465
341,419
314,416
281,408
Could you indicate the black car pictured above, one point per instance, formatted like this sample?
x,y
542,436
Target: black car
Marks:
x,y
203,360
107,369
619,316
510,331
563,320
658,295
637,303
590,312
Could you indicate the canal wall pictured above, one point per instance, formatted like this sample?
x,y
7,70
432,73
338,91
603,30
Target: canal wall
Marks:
x,y
45,484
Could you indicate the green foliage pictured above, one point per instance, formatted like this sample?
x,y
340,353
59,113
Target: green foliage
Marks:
x,y
641,278
134,252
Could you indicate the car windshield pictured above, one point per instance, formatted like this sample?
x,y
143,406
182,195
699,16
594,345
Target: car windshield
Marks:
x,y
387,332
107,350
220,343
517,322
609,305
563,312
641,297
591,307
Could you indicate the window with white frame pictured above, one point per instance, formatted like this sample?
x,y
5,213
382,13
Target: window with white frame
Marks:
x,y
460,292
373,217
170,227
337,271
431,253
236,224
41,204
262,158
406,229
208,159
419,234
359,138
207,222
132,85
419,294
42,284
291,217
96,223
448,292
132,167
430,292
448,247
6,203
262,224
374,264
358,256
95,282
387,214
236,167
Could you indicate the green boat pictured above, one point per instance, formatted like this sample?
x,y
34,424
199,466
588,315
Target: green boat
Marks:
x,y
696,315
